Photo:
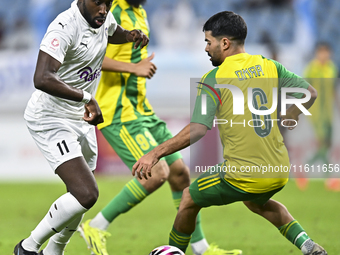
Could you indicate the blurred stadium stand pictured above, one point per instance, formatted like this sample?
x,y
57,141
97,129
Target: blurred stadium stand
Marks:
x,y
286,30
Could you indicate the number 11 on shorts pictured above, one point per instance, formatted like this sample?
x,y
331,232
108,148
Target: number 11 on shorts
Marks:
x,y
61,148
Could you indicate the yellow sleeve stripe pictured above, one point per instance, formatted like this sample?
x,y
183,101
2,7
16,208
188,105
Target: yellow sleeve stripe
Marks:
x,y
208,177
137,189
210,185
208,181
130,143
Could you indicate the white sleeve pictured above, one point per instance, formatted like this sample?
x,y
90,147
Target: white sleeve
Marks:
x,y
112,24
56,41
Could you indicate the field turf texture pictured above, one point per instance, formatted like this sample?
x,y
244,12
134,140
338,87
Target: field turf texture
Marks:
x,y
23,205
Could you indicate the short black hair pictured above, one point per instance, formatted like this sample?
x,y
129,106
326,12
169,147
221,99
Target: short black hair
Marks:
x,y
227,24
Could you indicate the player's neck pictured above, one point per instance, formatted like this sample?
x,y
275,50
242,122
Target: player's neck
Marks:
x,y
234,51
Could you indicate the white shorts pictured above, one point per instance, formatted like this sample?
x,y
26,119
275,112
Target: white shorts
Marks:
x,y
60,140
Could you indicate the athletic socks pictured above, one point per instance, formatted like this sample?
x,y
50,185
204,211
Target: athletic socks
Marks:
x,y
198,242
178,239
297,236
58,242
63,211
100,222
199,247
131,195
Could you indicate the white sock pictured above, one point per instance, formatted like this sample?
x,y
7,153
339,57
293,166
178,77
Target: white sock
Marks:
x,y
57,243
100,222
63,211
200,246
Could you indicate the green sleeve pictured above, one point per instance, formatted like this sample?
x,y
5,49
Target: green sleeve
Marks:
x,y
211,99
288,79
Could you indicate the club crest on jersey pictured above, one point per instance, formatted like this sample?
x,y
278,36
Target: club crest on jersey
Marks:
x,y
88,74
106,33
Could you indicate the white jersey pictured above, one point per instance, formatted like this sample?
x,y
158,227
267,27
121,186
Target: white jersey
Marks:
x,y
80,49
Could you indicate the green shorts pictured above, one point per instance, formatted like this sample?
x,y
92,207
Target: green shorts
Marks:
x,y
212,189
133,139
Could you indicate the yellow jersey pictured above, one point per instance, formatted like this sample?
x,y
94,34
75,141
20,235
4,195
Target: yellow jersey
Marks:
x,y
122,96
256,159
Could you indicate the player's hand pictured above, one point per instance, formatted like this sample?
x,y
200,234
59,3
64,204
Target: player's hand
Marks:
x,y
145,68
289,118
93,114
138,37
143,166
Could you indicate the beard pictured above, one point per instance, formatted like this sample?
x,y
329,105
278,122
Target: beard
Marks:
x,y
215,62
88,17
216,57
136,2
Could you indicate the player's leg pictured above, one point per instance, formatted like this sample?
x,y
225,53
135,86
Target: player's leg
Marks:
x,y
58,242
130,142
207,190
279,216
179,179
68,161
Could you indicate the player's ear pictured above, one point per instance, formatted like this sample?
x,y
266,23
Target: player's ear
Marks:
x,y
225,43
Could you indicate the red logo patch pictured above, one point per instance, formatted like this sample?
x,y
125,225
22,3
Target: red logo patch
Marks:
x,y
55,42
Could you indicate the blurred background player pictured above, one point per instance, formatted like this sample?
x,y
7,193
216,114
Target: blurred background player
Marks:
x,y
61,114
225,34
132,129
321,72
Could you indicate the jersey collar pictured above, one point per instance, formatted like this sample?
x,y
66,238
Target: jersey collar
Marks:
x,y
236,57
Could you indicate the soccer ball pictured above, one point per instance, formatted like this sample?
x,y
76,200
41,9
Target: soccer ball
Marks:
x,y
166,250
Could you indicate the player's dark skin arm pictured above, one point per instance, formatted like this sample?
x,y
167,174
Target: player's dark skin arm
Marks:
x,y
293,112
47,80
188,135
122,35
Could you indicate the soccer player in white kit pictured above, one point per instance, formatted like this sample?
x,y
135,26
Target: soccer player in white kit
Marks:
x,y
62,113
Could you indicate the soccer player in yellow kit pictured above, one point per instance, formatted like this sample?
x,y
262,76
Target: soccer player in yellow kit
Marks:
x,y
132,129
321,72
256,145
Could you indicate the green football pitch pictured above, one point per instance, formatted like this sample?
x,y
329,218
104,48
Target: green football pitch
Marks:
x,y
22,206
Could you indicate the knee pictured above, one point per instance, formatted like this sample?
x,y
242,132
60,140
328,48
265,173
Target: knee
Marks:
x,y
179,177
87,196
161,171
179,169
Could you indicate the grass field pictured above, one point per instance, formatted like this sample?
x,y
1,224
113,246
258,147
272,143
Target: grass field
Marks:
x,y
22,205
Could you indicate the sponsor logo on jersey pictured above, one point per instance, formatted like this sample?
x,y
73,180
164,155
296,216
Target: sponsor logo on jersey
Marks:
x,y
54,44
88,74
62,25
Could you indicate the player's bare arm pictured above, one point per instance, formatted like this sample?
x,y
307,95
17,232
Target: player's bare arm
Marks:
x,y
47,80
293,112
188,135
144,68
122,35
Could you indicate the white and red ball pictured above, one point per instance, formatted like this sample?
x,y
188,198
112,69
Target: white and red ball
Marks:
x,y
166,250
